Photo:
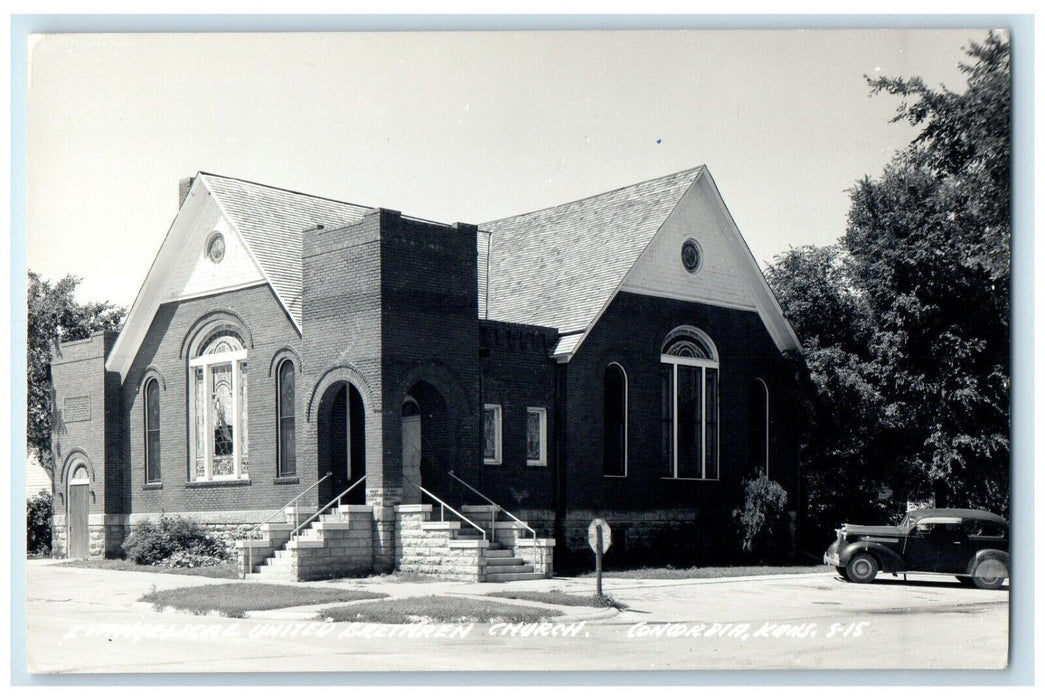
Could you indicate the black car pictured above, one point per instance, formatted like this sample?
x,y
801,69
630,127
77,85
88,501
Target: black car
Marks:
x,y
970,544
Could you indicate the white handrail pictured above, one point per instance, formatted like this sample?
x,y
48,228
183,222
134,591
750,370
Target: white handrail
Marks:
x,y
444,504
250,549
491,502
324,508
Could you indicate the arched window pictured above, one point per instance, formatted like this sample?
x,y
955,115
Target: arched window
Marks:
x,y
689,405
285,414
152,431
615,421
758,428
218,409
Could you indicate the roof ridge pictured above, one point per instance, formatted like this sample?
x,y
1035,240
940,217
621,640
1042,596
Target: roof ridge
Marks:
x,y
283,189
633,185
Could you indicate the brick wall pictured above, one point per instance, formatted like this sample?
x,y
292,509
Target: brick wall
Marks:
x,y
516,374
341,324
745,352
269,334
430,331
86,429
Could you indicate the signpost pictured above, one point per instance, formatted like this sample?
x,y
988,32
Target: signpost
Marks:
x,y
599,539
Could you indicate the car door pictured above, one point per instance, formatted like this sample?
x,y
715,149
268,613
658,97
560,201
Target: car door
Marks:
x,y
935,545
981,535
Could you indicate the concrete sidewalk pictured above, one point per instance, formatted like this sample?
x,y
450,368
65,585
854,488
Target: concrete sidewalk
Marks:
x,y
787,621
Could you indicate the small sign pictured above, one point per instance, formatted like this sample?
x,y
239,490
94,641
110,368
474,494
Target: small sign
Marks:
x,y
593,535
76,409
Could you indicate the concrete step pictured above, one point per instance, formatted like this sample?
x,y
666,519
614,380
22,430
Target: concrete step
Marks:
x,y
480,510
509,568
503,578
493,552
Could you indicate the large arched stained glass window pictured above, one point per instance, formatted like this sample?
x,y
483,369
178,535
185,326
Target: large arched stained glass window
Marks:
x,y
689,405
218,406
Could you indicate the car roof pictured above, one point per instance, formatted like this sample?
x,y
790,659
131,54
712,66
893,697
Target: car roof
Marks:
x,y
967,513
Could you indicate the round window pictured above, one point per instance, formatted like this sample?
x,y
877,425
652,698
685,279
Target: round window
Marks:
x,y
216,247
691,256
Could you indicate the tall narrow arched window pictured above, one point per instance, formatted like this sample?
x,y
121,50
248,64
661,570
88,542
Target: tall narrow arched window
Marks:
x,y
689,405
285,415
152,431
615,421
758,427
218,409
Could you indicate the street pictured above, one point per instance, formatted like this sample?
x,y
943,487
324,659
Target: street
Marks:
x,y
87,621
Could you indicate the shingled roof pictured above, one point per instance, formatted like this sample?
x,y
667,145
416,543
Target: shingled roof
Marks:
x,y
271,222
558,267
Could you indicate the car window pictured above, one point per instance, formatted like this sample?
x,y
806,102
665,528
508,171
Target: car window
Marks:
x,y
983,528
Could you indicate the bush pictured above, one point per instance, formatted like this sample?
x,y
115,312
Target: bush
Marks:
x,y
762,516
38,512
176,541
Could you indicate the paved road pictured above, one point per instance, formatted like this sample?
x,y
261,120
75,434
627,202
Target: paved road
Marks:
x,y
84,620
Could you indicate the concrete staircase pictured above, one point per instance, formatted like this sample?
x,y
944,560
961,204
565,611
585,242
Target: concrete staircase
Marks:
x,y
501,563
335,545
456,550
340,544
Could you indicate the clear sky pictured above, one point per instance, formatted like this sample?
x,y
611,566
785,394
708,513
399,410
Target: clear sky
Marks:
x,y
455,127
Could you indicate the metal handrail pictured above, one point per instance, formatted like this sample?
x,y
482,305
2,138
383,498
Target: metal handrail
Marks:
x,y
501,508
444,505
324,508
250,550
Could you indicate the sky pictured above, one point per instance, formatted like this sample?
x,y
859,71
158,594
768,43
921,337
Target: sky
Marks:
x,y
455,126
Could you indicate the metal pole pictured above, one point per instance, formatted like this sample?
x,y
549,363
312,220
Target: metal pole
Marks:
x,y
598,561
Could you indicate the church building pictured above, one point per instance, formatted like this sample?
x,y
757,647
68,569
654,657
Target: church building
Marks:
x,y
341,389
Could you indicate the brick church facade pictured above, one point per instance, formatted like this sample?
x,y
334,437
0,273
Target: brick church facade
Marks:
x,y
619,356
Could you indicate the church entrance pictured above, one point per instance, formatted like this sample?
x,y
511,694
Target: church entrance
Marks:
x,y
342,446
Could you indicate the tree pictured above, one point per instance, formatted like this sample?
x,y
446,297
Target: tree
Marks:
x,y
905,323
54,316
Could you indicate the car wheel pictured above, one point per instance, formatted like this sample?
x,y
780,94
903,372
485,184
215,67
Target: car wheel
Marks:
x,y
989,574
862,568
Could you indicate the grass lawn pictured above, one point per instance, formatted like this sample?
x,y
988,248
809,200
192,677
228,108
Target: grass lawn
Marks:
x,y
557,597
435,608
233,599
712,571
224,570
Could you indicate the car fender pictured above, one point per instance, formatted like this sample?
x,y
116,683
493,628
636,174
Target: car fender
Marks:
x,y
887,558
982,554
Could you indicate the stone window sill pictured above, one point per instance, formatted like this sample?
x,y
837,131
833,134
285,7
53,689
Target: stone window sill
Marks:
x,y
281,480
216,483
152,487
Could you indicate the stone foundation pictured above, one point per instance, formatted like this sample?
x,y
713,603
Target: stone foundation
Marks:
x,y
424,547
105,535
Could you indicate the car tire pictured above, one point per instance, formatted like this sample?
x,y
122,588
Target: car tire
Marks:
x,y
990,574
841,572
862,568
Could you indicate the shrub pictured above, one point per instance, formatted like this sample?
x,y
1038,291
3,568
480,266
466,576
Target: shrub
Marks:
x,y
762,516
173,538
38,512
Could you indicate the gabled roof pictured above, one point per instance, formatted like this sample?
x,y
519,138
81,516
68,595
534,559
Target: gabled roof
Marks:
x,y
561,267
271,221
558,267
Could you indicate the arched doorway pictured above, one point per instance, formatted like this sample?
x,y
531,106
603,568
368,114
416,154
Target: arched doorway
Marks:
x,y
428,440
342,442
79,508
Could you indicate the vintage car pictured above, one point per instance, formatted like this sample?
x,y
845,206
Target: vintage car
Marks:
x,y
970,544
